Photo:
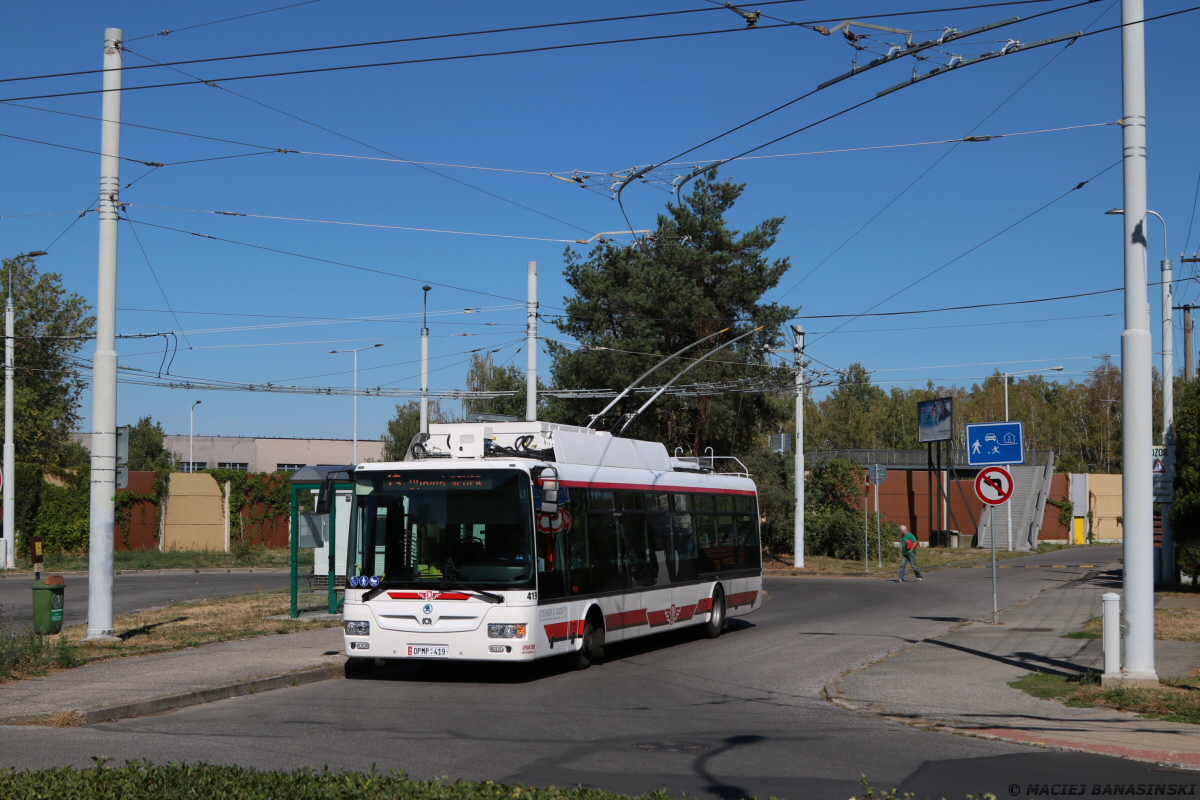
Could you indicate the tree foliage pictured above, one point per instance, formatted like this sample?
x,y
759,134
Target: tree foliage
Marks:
x,y
634,305
1079,421
147,453
407,424
484,375
51,326
1185,512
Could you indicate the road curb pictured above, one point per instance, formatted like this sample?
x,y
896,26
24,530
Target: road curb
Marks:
x,y
197,697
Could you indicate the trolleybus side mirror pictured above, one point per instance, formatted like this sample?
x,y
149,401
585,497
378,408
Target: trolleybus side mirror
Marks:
x,y
550,497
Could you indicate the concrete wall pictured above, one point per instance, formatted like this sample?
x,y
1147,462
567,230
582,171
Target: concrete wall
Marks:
x,y
904,499
1104,503
195,518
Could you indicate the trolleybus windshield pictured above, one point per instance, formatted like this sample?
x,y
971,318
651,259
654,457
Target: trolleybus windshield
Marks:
x,y
431,529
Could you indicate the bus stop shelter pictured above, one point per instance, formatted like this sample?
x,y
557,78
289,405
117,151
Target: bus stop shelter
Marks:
x,y
311,527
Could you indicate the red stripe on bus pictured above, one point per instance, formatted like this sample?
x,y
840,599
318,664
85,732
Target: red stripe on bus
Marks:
x,y
704,605
561,631
669,616
627,619
639,487
742,599
429,596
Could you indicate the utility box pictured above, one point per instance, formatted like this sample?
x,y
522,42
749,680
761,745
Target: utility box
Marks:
x,y
49,595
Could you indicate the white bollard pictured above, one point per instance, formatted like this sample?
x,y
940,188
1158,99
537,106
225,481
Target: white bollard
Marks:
x,y
1112,635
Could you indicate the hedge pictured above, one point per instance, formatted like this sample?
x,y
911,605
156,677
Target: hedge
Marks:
x,y
140,779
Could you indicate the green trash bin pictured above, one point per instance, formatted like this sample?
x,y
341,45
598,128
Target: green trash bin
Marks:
x,y
48,595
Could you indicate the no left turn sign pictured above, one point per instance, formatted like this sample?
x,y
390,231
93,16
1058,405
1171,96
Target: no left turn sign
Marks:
x,y
994,485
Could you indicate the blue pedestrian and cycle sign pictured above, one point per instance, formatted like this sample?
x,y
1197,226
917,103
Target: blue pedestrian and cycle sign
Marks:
x,y
995,444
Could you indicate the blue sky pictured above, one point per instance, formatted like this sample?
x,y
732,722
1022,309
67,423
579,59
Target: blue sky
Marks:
x,y
253,315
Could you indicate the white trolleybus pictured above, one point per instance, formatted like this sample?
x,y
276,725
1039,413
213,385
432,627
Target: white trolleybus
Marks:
x,y
511,541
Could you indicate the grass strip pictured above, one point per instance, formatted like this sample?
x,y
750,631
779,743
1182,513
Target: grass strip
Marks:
x,y
1175,624
1177,700
251,556
24,654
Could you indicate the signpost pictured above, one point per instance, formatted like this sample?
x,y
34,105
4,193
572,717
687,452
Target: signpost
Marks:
x,y
877,474
1164,474
994,486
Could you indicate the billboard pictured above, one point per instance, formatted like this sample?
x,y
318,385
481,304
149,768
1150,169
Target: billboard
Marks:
x,y
935,420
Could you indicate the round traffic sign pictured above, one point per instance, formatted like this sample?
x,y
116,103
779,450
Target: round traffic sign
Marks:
x,y
994,485
554,523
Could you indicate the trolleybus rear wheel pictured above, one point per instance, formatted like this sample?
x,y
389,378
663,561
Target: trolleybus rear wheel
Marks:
x,y
586,653
716,620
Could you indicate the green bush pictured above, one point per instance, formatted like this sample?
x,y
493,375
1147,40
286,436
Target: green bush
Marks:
x,y
29,496
23,652
141,779
63,515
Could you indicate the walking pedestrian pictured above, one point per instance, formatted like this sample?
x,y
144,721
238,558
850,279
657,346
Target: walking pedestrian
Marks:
x,y
908,552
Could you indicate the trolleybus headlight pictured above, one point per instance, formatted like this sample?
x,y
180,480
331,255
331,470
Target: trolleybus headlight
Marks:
x,y
506,630
358,628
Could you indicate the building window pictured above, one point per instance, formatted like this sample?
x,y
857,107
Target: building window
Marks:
x,y
238,465
289,467
193,466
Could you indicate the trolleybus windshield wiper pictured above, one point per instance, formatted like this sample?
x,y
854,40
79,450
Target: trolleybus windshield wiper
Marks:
x,y
491,597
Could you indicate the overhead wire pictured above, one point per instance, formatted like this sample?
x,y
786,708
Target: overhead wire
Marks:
x,y
387,153
327,261
157,282
226,19
936,162
356,224
972,249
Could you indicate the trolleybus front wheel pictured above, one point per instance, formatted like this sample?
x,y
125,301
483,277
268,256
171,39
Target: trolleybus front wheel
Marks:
x,y
716,619
591,648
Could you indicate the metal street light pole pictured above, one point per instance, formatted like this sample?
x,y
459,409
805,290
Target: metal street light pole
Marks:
x,y
1008,506
9,476
356,352
1168,377
191,434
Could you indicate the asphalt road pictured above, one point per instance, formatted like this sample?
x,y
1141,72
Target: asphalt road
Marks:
x,y
133,592
734,717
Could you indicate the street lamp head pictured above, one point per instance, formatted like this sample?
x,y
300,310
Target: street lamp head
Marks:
x,y
196,403
1115,211
377,345
36,253
427,288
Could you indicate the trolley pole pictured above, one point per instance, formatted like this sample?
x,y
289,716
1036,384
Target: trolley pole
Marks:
x,y
104,371
425,362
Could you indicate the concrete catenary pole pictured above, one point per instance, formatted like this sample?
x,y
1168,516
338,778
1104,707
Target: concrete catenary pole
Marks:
x,y
425,363
104,370
798,533
531,347
1167,559
1137,421
10,447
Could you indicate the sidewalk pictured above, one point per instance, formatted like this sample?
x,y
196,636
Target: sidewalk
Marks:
x,y
959,682
140,685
